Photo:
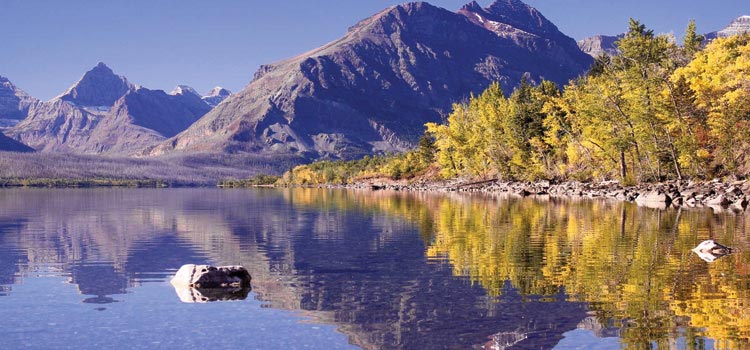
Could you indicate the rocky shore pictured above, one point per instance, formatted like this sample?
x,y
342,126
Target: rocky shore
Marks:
x,y
715,194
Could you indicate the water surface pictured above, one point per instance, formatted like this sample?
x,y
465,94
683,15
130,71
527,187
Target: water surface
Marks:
x,y
333,269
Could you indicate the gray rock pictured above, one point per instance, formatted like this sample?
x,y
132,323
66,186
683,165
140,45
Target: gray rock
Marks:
x,y
739,205
653,197
719,200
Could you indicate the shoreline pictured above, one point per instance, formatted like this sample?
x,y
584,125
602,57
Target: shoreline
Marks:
x,y
714,194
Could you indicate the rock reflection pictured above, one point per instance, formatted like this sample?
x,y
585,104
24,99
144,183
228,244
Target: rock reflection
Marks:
x,y
206,295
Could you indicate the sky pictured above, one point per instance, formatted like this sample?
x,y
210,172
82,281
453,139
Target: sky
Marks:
x,y
46,45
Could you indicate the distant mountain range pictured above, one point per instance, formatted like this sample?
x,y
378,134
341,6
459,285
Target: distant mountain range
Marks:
x,y
103,113
370,91
601,44
598,45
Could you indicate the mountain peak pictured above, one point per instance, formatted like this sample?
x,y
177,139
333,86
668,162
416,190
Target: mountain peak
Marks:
x,y
184,90
216,96
738,25
218,91
14,102
99,86
506,15
102,65
472,6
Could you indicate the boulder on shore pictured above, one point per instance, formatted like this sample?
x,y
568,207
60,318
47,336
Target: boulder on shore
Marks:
x,y
653,198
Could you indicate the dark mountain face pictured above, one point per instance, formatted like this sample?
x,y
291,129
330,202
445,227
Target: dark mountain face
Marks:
x,y
98,87
103,113
373,89
14,102
8,144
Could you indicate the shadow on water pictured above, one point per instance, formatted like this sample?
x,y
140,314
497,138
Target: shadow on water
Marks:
x,y
404,271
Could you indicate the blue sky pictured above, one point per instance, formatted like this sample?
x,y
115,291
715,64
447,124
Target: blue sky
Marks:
x,y
48,44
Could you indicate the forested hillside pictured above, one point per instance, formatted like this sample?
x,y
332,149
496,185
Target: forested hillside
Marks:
x,y
659,110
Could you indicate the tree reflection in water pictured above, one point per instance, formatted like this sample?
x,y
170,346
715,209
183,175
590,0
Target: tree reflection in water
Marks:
x,y
485,271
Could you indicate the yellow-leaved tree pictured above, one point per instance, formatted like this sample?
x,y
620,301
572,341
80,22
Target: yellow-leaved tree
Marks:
x,y
719,76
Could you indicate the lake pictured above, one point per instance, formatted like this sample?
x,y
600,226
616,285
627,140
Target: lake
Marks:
x,y
336,269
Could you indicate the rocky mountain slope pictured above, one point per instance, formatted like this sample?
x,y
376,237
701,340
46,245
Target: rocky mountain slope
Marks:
x,y
738,26
14,103
104,113
373,89
598,45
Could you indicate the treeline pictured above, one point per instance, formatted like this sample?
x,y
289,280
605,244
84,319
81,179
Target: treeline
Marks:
x,y
656,111
397,166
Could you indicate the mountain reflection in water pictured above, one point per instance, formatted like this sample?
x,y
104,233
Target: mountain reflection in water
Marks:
x,y
401,270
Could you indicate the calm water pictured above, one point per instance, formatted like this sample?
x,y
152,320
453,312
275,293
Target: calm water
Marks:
x,y
85,269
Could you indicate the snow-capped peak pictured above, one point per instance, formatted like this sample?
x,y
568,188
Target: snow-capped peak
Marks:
x,y
184,90
218,91
216,96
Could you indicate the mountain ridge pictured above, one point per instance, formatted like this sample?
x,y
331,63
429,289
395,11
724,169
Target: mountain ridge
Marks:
x,y
103,113
14,103
373,89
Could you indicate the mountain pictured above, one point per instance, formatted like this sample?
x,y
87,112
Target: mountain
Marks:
x,y
597,45
216,96
98,87
738,26
104,113
373,89
184,90
14,103
8,144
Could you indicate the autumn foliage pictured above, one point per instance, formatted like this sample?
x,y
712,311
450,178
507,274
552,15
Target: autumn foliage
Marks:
x,y
654,112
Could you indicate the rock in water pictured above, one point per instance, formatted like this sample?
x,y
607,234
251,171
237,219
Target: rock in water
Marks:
x,y
709,250
205,276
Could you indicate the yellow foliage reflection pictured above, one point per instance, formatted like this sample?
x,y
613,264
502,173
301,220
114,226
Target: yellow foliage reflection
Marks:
x,y
633,266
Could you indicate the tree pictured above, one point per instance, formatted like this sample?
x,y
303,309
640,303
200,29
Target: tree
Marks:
x,y
718,78
692,41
